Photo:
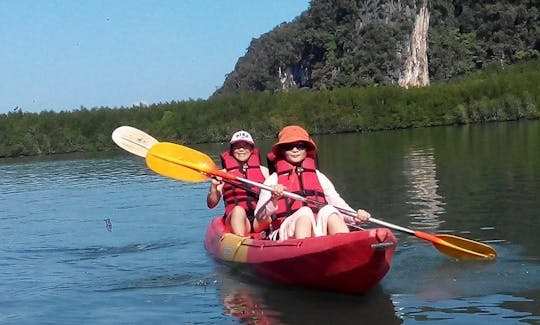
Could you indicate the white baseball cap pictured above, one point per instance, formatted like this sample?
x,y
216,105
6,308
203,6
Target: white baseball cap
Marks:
x,y
242,136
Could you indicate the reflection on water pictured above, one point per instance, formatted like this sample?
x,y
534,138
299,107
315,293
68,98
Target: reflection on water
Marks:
x,y
420,170
251,302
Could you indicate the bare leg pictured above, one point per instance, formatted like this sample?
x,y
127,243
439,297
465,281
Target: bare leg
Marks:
x,y
336,224
238,221
303,227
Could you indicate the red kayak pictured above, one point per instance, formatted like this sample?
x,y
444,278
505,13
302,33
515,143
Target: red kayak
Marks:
x,y
349,263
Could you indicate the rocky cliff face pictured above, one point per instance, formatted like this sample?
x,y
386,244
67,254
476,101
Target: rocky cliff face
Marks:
x,y
415,72
410,66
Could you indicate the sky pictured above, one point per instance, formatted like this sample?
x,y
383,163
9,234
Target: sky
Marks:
x,y
67,54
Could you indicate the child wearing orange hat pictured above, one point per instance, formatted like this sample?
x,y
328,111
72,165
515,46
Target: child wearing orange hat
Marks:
x,y
293,157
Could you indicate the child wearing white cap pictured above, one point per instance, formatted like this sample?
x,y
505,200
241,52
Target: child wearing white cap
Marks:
x,y
242,160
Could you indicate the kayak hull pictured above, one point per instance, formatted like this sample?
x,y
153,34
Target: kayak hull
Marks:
x,y
350,263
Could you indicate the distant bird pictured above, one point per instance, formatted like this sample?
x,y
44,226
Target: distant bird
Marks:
x,y
16,108
108,224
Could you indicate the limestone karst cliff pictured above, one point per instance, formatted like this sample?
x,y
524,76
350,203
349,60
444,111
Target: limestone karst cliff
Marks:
x,y
354,43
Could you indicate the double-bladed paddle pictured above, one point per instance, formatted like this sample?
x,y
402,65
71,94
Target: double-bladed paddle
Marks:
x,y
183,163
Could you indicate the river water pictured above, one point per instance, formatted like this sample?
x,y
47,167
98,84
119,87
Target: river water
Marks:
x,y
100,239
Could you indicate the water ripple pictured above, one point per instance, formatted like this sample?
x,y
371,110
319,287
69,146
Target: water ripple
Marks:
x,y
164,281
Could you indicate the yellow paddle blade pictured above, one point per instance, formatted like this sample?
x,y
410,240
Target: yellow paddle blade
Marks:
x,y
179,162
463,248
458,247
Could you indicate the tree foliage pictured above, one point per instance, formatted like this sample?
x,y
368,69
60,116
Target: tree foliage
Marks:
x,y
493,94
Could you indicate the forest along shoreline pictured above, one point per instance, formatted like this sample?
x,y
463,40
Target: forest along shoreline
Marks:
x,y
498,93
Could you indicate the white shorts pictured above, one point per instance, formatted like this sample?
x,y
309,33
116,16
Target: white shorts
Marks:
x,y
287,227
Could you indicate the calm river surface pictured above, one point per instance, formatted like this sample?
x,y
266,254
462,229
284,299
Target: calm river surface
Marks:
x,y
60,264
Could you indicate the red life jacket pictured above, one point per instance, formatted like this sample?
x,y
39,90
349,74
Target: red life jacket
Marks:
x,y
305,183
242,195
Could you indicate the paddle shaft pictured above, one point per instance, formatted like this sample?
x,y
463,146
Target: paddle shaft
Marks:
x,y
304,199
419,234
295,196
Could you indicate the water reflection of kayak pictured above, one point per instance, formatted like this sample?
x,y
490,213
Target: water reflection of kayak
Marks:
x,y
263,303
348,263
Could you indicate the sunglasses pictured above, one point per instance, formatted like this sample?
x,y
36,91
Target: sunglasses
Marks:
x,y
298,145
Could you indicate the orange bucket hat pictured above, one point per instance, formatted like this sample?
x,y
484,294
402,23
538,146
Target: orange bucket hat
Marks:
x,y
293,133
